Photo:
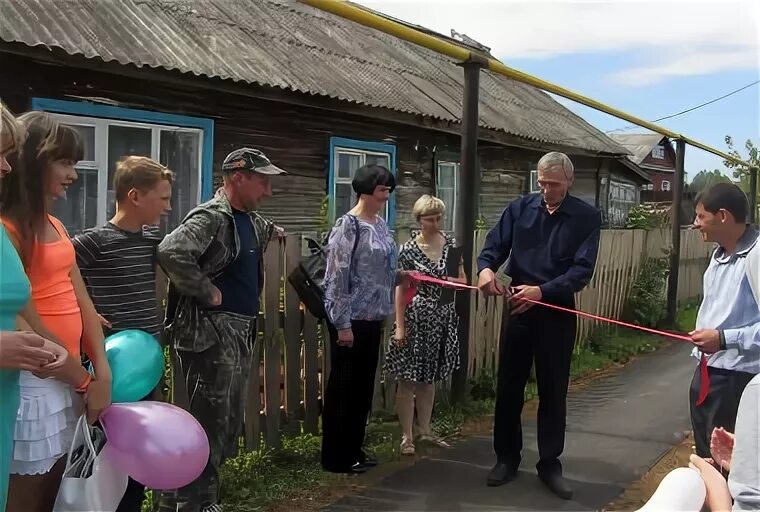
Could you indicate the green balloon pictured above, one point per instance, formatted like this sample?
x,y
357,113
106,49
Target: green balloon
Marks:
x,y
137,363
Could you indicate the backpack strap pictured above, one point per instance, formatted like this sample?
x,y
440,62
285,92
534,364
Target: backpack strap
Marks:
x,y
356,238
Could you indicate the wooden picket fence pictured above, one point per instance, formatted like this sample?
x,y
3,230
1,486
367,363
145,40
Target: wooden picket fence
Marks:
x,y
290,361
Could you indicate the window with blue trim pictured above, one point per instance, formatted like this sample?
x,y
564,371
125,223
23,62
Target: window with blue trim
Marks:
x,y
346,156
110,133
447,189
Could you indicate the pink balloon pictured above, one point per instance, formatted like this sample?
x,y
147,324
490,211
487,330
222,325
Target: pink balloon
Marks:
x,y
160,445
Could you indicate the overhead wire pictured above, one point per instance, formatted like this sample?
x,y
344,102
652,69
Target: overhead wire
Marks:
x,y
715,100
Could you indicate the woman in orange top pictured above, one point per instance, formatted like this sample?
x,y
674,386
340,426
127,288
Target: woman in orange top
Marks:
x,y
48,411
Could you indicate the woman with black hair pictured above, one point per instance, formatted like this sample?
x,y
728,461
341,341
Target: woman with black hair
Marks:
x,y
361,278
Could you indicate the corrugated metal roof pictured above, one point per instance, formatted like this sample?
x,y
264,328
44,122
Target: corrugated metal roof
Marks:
x,y
285,44
639,144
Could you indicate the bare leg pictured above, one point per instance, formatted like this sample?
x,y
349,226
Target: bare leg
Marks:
x,y
425,396
35,493
405,410
405,407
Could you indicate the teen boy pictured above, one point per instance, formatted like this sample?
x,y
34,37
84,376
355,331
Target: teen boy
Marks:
x,y
118,261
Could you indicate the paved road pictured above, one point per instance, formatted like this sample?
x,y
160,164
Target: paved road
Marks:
x,y
618,427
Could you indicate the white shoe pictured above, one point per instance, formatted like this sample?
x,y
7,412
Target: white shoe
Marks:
x,y
407,446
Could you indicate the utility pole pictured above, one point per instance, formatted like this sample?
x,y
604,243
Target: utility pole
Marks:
x,y
675,254
468,201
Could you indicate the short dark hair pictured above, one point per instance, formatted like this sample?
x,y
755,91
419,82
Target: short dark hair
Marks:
x,y
368,177
725,196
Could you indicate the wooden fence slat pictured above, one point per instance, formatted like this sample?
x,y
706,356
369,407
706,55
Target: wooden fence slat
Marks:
x,y
311,374
272,350
253,401
293,323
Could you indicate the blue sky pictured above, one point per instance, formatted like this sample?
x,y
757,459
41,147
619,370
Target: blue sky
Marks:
x,y
650,59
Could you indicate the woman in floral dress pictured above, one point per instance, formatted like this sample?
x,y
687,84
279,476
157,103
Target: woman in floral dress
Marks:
x,y
424,348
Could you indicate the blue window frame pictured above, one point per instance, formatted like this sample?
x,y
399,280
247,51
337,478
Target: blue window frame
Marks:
x,y
447,189
182,143
346,156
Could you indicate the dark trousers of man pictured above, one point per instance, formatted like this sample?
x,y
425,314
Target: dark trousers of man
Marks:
x,y
547,337
214,381
348,397
719,408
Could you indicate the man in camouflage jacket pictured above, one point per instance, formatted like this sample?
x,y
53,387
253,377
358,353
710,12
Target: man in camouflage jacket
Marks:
x,y
214,261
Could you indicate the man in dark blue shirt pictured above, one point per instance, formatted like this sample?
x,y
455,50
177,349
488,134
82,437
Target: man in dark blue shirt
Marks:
x,y
551,240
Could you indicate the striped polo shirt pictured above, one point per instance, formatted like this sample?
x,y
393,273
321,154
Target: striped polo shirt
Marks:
x,y
119,269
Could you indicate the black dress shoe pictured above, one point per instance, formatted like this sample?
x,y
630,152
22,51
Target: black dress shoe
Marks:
x,y
500,474
358,468
368,459
557,484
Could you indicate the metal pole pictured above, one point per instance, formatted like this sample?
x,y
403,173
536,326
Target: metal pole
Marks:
x,y
675,254
753,195
467,207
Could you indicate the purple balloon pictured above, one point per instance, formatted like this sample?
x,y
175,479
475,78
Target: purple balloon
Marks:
x,y
160,445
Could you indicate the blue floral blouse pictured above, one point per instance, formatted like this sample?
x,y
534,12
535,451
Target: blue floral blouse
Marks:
x,y
362,287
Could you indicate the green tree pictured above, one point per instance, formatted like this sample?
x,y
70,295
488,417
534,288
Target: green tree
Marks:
x,y
741,172
705,179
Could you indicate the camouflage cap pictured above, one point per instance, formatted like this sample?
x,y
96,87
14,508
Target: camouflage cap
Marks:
x,y
252,160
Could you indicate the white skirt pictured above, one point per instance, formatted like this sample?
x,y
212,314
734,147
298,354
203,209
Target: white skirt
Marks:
x,y
45,424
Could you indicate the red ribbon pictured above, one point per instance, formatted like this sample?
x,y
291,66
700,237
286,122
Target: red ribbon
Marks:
x,y
704,388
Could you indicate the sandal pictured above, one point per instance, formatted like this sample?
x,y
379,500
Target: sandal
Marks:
x,y
407,446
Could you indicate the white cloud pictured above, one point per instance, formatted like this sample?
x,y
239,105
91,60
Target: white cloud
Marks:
x,y
693,62
718,34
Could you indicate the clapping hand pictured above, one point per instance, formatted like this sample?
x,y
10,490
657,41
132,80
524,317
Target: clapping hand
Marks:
x,y
722,447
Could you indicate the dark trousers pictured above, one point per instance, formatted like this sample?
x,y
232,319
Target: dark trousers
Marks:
x,y
348,397
545,337
214,381
719,408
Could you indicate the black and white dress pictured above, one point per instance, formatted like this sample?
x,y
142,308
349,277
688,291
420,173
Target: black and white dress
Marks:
x,y
431,351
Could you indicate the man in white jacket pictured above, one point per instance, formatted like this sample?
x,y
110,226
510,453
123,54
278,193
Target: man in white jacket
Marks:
x,y
728,324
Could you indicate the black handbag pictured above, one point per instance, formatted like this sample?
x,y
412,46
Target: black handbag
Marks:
x,y
308,278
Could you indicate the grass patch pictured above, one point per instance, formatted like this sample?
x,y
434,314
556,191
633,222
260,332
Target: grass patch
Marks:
x,y
253,480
